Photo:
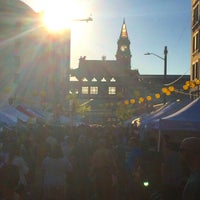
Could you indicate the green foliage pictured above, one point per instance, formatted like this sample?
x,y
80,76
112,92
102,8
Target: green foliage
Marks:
x,y
75,107
124,112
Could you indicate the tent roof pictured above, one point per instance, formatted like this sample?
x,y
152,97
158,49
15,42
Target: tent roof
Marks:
x,y
186,119
165,111
22,109
16,113
7,119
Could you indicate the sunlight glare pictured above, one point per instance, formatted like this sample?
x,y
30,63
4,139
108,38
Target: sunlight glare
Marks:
x,y
59,15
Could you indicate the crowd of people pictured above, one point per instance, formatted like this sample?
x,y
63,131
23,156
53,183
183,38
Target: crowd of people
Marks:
x,y
96,163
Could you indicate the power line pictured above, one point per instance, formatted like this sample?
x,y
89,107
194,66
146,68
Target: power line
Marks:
x,y
168,84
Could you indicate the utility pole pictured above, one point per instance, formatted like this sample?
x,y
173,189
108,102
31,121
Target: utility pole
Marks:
x,y
165,67
165,71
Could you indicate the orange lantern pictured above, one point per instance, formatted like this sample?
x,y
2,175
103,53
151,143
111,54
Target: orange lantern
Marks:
x,y
34,93
171,88
197,82
7,89
187,83
192,85
141,99
132,101
126,102
164,90
157,95
149,98
168,93
185,87
43,94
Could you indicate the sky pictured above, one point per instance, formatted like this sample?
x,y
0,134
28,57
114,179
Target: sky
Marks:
x,y
151,25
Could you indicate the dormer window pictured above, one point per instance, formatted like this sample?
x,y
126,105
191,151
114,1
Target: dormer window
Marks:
x,y
112,80
94,80
85,80
103,80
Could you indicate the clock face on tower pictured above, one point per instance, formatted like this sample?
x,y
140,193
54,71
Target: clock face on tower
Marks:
x,y
123,48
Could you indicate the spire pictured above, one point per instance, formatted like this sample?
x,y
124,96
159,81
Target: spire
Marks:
x,y
124,33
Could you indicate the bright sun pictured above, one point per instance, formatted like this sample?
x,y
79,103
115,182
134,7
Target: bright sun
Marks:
x,y
59,15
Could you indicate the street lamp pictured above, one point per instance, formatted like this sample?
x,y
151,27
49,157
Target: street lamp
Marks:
x,y
165,66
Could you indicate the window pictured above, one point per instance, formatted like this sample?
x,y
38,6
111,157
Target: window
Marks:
x,y
94,80
93,90
103,80
196,15
84,90
73,78
112,80
195,43
84,80
195,71
111,90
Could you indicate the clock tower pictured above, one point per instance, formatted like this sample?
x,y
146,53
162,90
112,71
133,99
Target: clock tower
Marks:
x,y
123,54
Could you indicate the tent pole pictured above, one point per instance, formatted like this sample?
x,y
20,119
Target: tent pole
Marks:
x,y
159,140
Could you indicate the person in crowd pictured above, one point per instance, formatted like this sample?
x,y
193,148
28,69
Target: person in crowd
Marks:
x,y
41,152
119,153
80,158
104,171
190,154
51,142
28,152
16,159
9,178
171,169
66,145
132,167
55,169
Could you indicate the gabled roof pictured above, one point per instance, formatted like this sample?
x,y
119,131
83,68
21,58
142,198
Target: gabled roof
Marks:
x,y
100,68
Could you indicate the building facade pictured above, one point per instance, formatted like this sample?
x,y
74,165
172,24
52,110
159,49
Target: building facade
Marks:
x,y
114,81
35,68
195,48
106,79
33,60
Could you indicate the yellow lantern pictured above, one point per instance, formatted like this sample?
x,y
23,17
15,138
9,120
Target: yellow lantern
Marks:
x,y
34,93
185,87
7,89
197,82
171,88
157,95
126,102
187,83
132,101
141,99
43,94
192,85
149,98
168,93
164,90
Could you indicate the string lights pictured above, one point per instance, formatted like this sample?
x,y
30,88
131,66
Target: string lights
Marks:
x,y
165,90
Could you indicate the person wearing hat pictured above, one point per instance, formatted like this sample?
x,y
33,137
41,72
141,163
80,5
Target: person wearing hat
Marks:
x,y
190,155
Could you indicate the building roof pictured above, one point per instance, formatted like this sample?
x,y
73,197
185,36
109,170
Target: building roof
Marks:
x,y
15,12
15,6
124,33
101,68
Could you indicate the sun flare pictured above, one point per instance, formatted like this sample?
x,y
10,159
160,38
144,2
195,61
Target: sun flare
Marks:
x,y
60,15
